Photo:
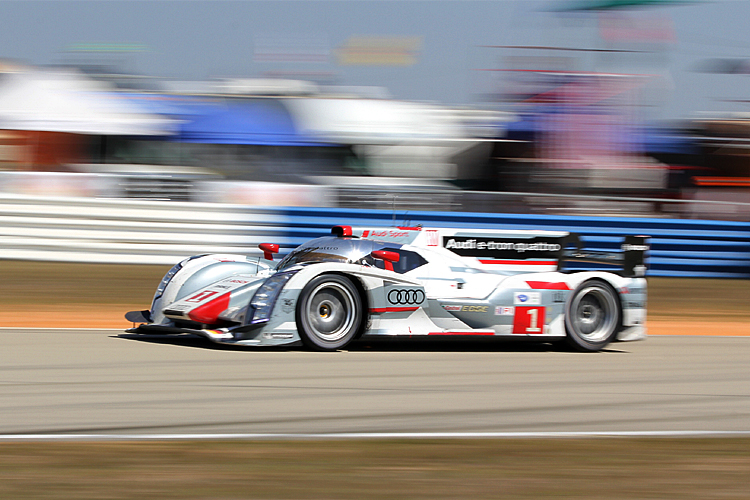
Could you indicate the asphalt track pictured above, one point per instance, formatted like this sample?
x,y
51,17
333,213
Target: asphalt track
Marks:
x,y
107,382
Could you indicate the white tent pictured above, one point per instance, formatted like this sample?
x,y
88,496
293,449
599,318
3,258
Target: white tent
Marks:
x,y
372,121
57,101
395,138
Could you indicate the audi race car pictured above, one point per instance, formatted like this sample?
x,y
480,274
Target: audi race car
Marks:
x,y
407,281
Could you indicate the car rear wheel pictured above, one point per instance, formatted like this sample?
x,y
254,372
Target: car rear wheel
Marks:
x,y
592,316
329,312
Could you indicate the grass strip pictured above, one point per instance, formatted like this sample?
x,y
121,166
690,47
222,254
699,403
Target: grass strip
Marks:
x,y
612,468
62,283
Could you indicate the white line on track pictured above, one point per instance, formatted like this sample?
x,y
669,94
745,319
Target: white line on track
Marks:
x,y
371,435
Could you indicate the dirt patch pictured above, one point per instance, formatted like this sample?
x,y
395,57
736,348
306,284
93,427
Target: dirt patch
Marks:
x,y
698,327
69,316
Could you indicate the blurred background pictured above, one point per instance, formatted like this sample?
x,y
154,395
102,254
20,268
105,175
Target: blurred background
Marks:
x,y
592,98
551,107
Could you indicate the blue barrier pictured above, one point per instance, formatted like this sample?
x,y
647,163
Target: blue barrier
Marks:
x,y
679,247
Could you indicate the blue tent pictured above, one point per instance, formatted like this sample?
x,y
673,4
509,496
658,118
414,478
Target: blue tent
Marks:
x,y
264,122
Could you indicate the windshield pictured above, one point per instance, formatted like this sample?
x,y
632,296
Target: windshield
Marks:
x,y
329,249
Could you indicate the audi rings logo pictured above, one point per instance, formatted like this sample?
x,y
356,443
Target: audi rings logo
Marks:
x,y
406,297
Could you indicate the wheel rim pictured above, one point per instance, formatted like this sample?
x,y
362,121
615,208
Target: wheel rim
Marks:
x,y
593,313
330,312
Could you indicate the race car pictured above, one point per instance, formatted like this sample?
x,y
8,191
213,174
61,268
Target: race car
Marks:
x,y
408,281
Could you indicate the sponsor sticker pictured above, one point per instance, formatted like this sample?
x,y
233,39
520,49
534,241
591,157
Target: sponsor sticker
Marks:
x,y
287,305
527,298
389,234
634,248
433,238
504,311
467,308
475,309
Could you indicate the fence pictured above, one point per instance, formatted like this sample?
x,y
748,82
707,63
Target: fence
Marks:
x,y
162,232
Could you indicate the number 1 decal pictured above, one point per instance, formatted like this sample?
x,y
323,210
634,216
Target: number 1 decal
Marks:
x,y
528,320
533,321
201,296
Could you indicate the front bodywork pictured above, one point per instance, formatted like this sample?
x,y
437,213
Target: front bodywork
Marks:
x,y
446,282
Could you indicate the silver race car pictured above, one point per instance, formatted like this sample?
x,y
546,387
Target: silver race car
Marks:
x,y
407,281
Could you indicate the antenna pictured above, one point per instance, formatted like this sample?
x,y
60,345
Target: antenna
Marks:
x,y
393,204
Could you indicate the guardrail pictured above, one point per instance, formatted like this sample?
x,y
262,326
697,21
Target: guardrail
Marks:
x,y
129,231
163,232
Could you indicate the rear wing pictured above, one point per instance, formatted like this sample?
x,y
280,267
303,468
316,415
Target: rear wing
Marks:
x,y
515,251
630,261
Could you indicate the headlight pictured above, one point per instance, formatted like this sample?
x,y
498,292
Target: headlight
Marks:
x,y
265,297
170,274
166,279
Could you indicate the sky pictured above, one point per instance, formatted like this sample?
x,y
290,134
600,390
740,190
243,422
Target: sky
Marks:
x,y
201,40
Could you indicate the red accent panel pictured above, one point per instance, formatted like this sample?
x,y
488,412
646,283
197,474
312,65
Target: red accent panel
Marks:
x,y
209,312
520,262
544,285
392,309
722,181
407,228
461,333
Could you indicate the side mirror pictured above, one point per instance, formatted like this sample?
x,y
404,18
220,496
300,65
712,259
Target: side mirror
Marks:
x,y
269,249
387,257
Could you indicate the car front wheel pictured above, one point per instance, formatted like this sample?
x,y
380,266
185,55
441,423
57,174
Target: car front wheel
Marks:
x,y
329,312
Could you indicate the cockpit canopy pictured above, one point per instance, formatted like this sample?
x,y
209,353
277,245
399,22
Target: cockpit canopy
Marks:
x,y
331,249
351,251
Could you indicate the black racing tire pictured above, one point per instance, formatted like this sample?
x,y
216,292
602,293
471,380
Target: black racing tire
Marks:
x,y
329,312
592,316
